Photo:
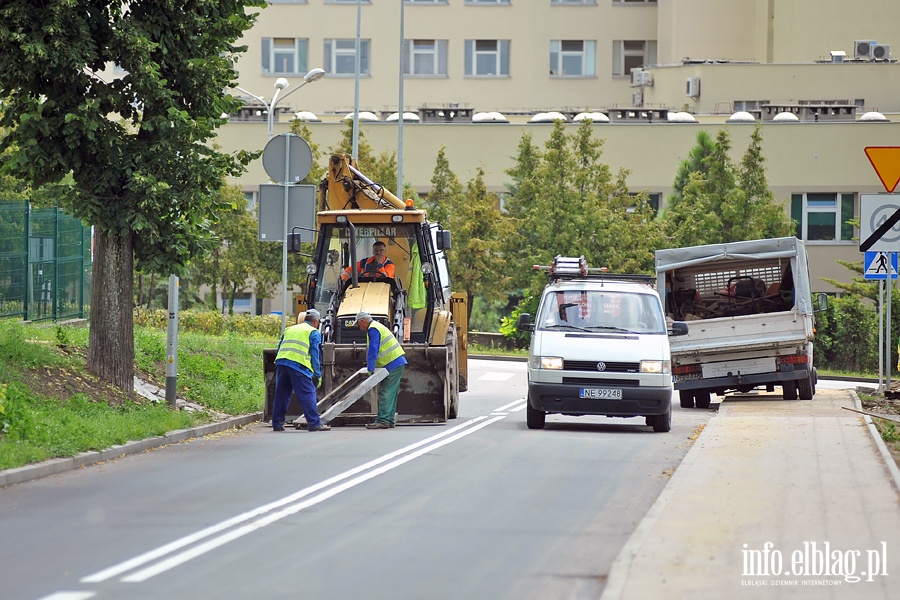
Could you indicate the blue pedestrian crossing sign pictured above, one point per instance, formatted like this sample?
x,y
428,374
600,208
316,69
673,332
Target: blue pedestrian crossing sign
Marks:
x,y
876,265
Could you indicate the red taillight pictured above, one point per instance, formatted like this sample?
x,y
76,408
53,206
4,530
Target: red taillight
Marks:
x,y
686,369
793,359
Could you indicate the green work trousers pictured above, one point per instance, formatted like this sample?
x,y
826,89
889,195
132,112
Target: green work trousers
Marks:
x,y
387,395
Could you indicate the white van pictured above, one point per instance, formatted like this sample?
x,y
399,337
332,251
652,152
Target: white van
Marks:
x,y
599,346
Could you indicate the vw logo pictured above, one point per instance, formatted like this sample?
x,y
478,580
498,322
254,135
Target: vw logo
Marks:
x,y
601,366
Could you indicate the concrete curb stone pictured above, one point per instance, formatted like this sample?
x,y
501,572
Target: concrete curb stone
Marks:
x,y
60,465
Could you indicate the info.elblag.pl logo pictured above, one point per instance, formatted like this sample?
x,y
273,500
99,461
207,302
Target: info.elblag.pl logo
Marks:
x,y
813,563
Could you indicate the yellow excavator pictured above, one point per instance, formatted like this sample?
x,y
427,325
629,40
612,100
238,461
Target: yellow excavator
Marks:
x,y
416,304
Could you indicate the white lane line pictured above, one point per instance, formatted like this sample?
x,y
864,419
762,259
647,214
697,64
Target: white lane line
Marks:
x,y
518,408
510,405
201,549
70,596
214,529
496,376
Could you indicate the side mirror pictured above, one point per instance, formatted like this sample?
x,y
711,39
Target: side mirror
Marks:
x,y
443,240
678,328
821,302
524,323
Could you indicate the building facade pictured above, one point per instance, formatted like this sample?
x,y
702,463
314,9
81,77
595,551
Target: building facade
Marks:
x,y
658,71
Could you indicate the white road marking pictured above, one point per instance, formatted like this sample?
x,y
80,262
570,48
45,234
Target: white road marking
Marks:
x,y
496,376
196,551
162,551
70,596
510,405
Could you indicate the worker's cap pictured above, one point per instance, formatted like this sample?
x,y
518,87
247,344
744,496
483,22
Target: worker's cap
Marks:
x,y
360,316
313,314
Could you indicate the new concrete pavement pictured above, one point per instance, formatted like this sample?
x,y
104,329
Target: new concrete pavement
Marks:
x,y
776,499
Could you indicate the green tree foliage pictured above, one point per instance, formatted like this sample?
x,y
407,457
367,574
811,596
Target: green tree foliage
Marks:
x,y
147,181
478,227
723,202
565,200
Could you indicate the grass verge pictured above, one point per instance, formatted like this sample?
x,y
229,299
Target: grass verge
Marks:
x,y
51,406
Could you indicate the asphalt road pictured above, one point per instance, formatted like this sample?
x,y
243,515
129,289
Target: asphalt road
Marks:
x,y
480,507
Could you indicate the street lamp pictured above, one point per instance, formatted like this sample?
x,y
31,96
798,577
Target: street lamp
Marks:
x,y
280,84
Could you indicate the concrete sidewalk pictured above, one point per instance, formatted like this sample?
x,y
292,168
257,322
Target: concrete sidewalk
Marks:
x,y
776,499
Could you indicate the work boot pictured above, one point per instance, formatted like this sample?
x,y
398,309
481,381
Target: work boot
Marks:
x,y
321,427
378,425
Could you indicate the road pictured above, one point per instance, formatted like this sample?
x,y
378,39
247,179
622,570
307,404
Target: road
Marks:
x,y
480,507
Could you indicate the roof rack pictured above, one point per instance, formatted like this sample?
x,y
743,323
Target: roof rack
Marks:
x,y
570,267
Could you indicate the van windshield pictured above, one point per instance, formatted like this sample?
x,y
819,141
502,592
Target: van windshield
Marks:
x,y
599,311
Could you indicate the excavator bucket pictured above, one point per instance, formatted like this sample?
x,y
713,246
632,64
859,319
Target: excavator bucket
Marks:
x,y
429,389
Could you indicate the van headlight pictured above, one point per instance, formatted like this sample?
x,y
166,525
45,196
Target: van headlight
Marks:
x,y
656,366
551,362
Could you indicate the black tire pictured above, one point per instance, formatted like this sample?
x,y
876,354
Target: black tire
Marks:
x,y
806,388
662,423
687,398
534,417
789,390
702,398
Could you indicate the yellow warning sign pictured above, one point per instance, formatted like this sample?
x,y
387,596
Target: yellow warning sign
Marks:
x,y
886,160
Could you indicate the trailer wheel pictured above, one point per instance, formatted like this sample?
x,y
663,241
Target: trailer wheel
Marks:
x,y
687,398
661,423
789,390
806,387
534,417
702,398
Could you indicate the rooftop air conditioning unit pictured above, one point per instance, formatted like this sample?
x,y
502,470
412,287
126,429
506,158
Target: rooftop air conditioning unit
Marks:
x,y
692,87
637,98
636,75
863,48
881,51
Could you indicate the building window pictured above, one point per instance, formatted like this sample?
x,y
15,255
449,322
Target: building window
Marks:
x,y
340,57
346,2
487,1
425,58
288,1
572,58
284,56
631,54
591,2
822,217
634,1
425,1
487,58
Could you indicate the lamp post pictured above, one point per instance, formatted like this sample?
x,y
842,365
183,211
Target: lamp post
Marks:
x,y
280,84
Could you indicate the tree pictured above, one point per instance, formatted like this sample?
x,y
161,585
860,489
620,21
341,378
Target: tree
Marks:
x,y
477,264
694,163
722,202
566,201
147,181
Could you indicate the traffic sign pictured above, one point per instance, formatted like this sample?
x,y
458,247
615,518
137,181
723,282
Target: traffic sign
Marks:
x,y
301,212
297,152
886,161
876,265
879,222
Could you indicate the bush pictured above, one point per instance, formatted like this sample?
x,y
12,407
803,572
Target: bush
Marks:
x,y
212,322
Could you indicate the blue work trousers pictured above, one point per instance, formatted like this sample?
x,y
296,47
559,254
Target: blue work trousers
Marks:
x,y
289,380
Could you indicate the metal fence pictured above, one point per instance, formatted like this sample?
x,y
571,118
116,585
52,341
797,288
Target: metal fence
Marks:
x,y
45,263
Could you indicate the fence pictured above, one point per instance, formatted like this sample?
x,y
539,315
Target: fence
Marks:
x,y
45,263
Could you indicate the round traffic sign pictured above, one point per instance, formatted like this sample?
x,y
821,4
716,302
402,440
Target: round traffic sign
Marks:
x,y
298,154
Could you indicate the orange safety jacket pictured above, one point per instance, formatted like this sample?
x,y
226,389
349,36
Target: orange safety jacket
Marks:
x,y
384,270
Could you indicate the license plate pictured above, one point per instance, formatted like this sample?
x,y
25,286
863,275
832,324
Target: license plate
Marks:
x,y
601,393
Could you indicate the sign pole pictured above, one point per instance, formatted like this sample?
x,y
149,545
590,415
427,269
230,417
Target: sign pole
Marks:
x,y
881,336
284,239
887,335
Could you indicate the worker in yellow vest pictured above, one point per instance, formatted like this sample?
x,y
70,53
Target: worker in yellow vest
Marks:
x,y
383,351
298,369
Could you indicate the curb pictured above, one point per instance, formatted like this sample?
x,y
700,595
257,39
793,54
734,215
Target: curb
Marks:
x,y
85,459
879,443
618,572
